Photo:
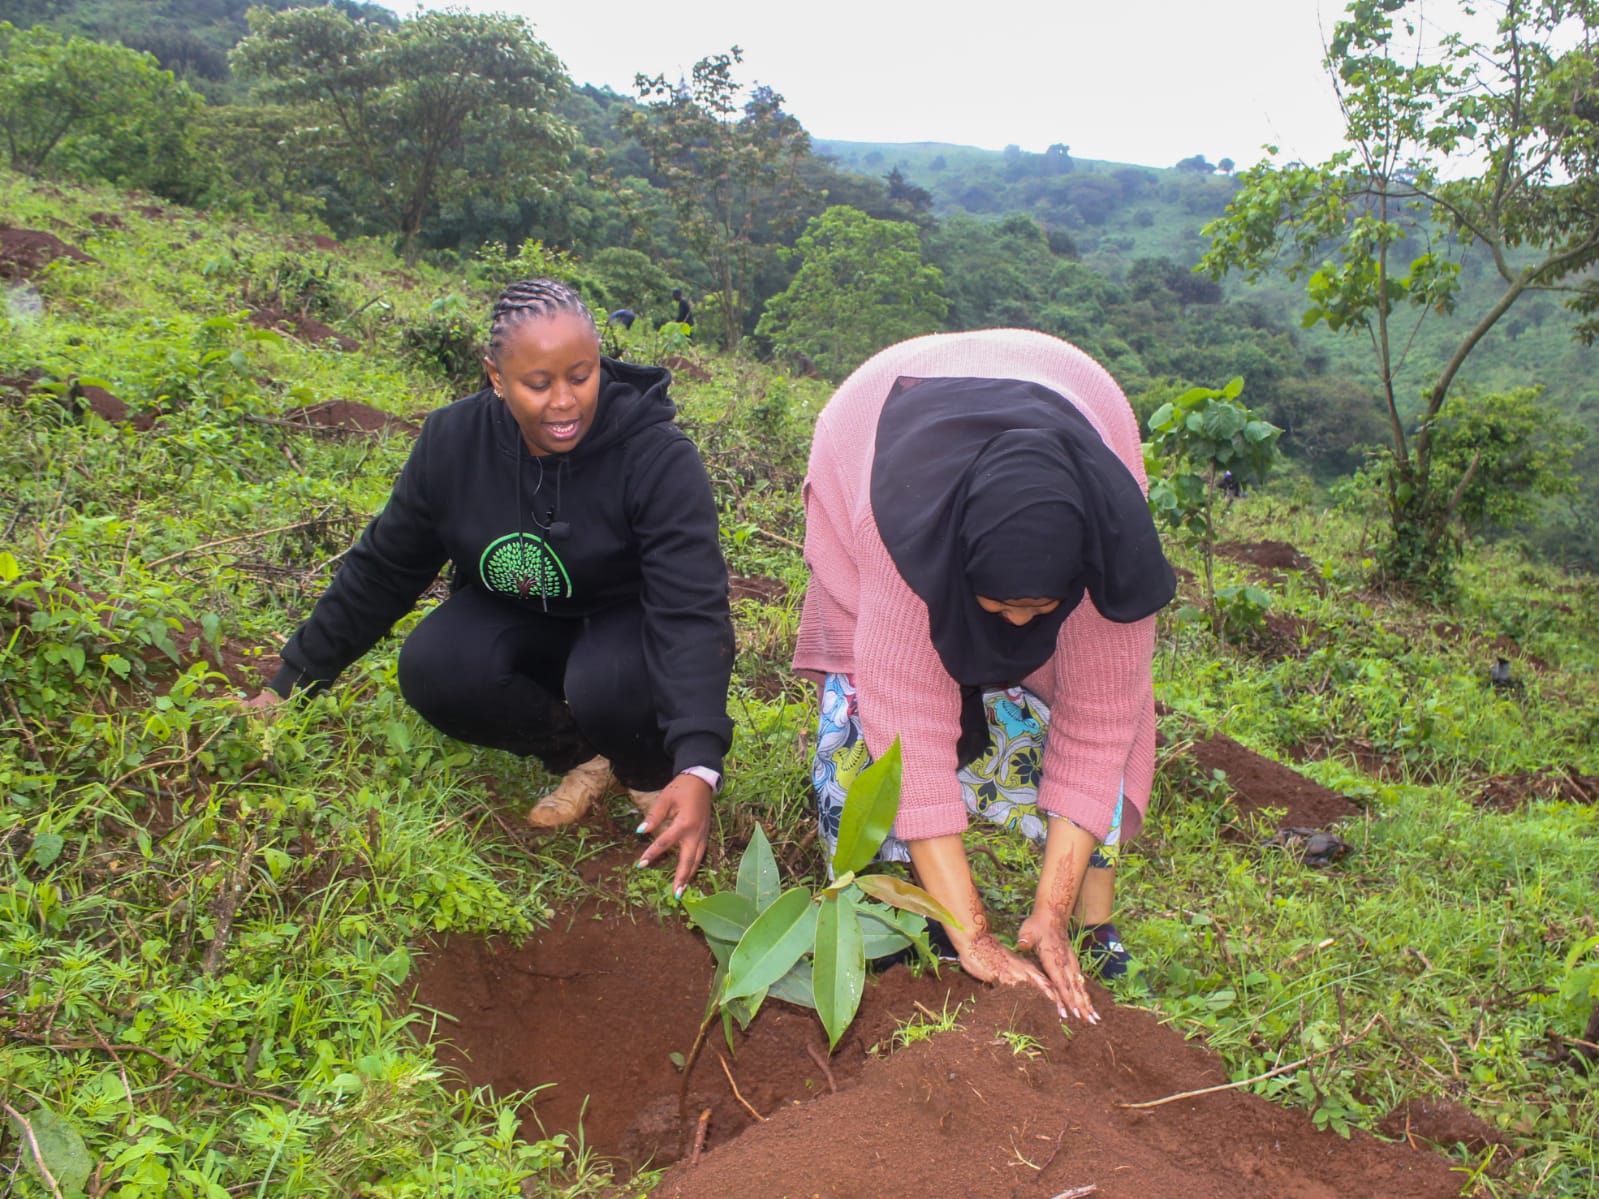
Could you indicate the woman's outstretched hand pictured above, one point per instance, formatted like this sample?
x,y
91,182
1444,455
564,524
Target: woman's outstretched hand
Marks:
x,y
682,816
1045,933
986,959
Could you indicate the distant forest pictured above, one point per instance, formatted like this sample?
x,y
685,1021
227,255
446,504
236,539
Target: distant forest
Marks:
x,y
700,185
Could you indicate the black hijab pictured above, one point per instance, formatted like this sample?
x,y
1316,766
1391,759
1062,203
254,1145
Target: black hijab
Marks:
x,y
1002,488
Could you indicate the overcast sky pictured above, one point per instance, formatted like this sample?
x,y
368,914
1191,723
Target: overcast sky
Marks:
x,y
1142,81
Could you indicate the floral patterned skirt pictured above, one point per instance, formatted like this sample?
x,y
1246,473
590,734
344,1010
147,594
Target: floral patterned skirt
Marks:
x,y
1000,786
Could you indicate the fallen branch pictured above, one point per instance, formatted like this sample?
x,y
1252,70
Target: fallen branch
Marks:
x,y
701,1127
1245,1082
319,518
779,538
736,1095
228,905
33,1148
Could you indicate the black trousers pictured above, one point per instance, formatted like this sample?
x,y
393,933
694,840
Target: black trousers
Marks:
x,y
486,670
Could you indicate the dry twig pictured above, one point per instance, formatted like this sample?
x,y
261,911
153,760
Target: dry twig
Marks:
x,y
821,1060
701,1127
1078,1192
736,1095
33,1148
1245,1082
319,518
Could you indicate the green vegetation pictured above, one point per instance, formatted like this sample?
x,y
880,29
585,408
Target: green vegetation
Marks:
x,y
863,286
1489,143
207,921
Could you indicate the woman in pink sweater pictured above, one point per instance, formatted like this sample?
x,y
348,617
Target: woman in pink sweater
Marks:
x,y
984,578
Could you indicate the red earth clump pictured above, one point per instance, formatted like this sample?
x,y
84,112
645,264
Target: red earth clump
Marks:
x,y
1269,555
1258,782
347,416
304,327
1008,1103
25,252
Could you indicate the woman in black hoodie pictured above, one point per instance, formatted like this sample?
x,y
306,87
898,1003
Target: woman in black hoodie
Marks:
x,y
587,623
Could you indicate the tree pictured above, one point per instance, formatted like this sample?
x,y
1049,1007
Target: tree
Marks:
x,y
1504,453
92,109
863,286
446,103
1492,143
724,169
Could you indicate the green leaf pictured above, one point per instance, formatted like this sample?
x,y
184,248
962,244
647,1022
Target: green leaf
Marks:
x,y
757,872
881,933
796,987
60,1146
723,916
869,810
898,893
10,568
839,967
777,939
46,848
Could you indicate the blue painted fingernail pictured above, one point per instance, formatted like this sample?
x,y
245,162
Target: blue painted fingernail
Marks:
x,y
677,892
643,827
643,862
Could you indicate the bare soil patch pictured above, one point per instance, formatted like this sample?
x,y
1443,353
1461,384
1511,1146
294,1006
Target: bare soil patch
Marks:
x,y
25,252
302,326
597,1004
1258,782
756,587
685,368
1513,792
1271,555
348,416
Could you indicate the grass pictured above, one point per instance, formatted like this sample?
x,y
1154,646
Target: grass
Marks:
x,y
208,920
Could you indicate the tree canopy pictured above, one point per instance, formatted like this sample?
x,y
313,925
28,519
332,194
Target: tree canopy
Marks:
x,y
446,103
863,286
1492,143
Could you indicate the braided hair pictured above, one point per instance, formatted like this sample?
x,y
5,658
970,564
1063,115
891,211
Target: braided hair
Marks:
x,y
531,298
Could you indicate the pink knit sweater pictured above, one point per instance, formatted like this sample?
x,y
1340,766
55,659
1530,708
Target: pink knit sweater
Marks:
x,y
861,618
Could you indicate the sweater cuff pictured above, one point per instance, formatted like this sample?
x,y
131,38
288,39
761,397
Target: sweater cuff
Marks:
x,y
931,820
698,749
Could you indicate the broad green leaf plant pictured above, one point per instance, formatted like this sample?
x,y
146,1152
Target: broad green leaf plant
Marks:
x,y
1195,440
811,948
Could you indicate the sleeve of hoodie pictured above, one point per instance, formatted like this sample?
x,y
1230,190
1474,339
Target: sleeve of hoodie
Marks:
x,y
688,628
382,576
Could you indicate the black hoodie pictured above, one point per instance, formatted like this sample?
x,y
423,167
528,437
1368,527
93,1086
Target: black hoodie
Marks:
x,y
625,518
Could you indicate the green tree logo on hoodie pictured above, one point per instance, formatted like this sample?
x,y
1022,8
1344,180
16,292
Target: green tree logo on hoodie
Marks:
x,y
523,565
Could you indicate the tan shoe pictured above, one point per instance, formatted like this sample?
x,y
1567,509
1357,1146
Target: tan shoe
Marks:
x,y
581,788
643,800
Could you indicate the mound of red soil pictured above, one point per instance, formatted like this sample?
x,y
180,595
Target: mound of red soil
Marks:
x,y
347,416
306,328
1444,1124
1258,782
1513,792
1268,555
685,368
597,1004
756,587
25,252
